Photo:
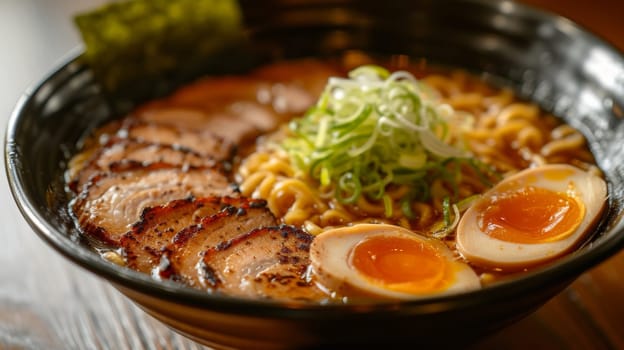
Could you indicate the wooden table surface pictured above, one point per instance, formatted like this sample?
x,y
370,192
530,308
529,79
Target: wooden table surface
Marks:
x,y
46,302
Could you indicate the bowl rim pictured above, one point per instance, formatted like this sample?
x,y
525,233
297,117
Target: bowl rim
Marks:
x,y
565,268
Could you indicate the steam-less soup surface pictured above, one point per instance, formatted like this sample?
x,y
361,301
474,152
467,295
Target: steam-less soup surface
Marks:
x,y
337,180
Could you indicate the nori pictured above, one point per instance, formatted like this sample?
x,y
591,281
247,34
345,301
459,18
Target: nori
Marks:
x,y
139,49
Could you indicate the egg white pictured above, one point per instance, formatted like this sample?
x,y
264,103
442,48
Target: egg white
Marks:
x,y
482,249
330,253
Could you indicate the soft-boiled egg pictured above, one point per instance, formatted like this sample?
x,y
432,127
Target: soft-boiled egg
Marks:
x,y
531,217
387,261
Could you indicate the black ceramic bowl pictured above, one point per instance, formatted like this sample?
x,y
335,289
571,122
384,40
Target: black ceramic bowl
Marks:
x,y
545,58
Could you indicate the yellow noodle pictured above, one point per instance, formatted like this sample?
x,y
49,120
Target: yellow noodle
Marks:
x,y
509,130
562,131
251,184
312,227
279,166
530,136
370,207
466,101
266,186
333,217
496,102
533,158
486,121
517,111
570,143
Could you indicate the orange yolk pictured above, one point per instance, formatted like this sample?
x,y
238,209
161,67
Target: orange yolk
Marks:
x,y
531,215
401,264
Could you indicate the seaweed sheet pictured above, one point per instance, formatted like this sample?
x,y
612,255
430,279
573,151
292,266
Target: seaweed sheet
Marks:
x,y
141,49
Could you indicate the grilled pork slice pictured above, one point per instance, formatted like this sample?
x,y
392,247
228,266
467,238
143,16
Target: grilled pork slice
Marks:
x,y
307,74
144,244
127,153
237,123
268,262
201,141
273,89
216,90
89,148
112,202
182,256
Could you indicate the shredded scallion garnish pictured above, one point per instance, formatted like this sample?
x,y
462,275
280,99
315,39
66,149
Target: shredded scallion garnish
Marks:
x,y
446,211
375,129
446,226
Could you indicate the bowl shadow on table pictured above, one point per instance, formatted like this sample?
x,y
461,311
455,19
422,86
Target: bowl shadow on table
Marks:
x,y
546,59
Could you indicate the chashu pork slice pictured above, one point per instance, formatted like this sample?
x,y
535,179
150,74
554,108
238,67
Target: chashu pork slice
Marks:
x,y
270,262
216,90
121,153
236,123
308,74
145,243
181,135
112,202
182,257
90,147
281,91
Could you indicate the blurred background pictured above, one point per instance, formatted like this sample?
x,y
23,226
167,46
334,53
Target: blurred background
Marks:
x,y
603,17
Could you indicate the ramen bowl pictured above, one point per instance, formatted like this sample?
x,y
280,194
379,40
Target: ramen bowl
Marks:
x,y
544,58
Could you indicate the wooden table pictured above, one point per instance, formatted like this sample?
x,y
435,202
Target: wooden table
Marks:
x,y
48,303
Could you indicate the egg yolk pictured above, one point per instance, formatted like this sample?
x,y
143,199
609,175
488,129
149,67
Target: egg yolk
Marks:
x,y
531,215
401,264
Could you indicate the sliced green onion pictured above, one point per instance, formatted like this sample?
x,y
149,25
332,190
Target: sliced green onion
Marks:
x,y
446,211
321,135
369,70
325,177
406,208
413,161
443,228
387,205
375,129
465,203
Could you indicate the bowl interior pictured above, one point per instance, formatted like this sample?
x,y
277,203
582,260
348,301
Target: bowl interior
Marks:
x,y
544,58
